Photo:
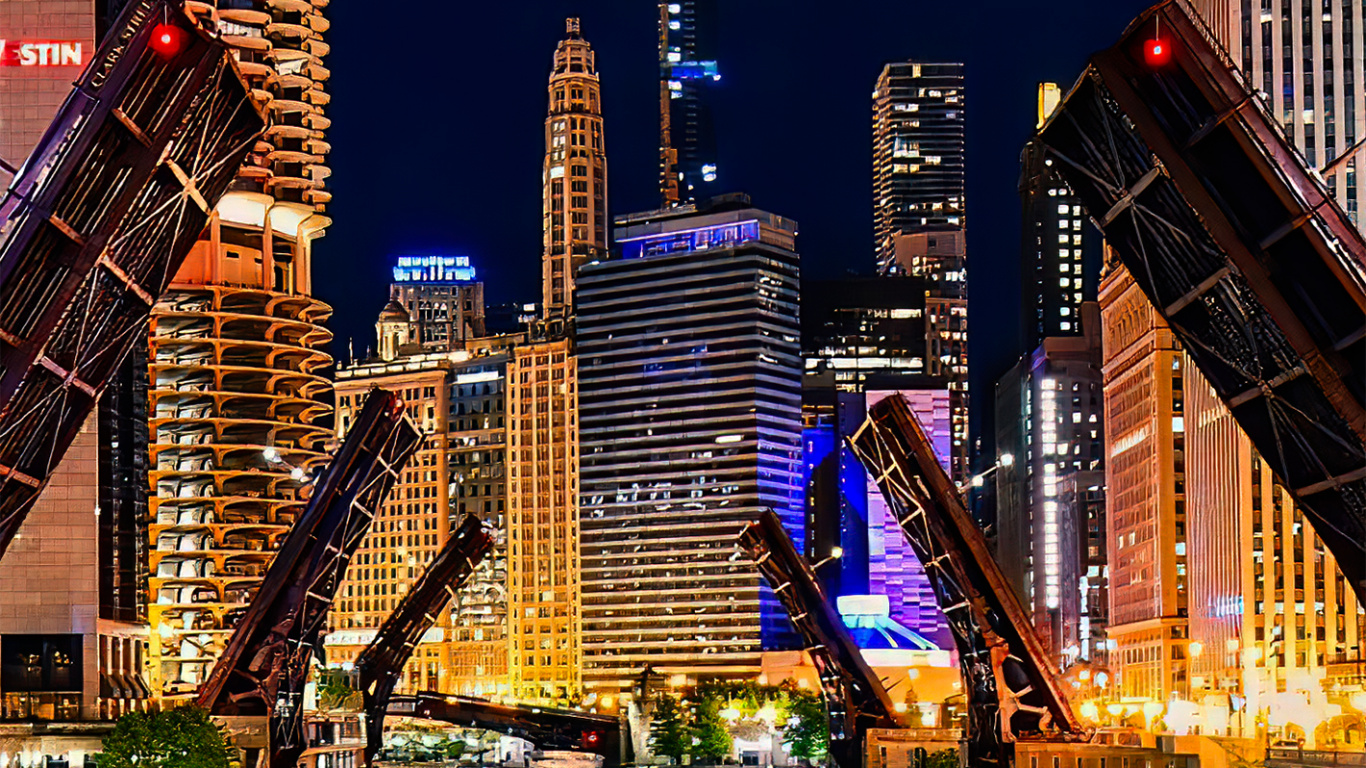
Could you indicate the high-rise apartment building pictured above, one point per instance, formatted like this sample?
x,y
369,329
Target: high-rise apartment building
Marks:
x,y
690,390
864,329
1145,466
236,362
918,154
1269,607
443,298
1056,275
543,522
687,71
1050,421
574,177
1306,58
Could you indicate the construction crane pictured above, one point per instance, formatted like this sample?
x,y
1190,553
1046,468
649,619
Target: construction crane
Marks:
x,y
97,222
1009,682
855,698
266,663
380,666
1240,248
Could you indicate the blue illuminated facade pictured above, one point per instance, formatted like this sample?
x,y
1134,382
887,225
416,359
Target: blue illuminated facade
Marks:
x,y
433,269
728,235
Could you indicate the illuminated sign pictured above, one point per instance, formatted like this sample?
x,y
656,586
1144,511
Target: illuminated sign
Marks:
x,y
63,53
694,70
690,240
433,269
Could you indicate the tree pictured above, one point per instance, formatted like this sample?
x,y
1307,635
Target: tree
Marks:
x,y
183,737
669,735
807,733
710,737
944,758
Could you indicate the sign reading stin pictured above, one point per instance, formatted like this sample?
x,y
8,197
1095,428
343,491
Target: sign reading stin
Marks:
x,y
18,53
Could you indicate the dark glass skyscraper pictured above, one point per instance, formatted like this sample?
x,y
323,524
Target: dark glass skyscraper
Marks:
x,y
1059,254
918,154
687,70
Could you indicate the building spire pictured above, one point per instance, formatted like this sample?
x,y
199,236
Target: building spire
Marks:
x,y
571,27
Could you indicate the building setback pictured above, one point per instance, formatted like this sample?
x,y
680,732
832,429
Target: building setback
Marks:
x,y
690,394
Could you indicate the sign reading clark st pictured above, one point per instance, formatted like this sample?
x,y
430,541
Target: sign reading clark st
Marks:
x,y
30,53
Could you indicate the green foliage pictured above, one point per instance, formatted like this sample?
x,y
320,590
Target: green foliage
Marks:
x,y
711,740
669,734
183,737
944,758
807,734
335,692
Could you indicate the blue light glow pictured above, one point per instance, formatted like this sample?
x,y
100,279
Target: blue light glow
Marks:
x,y
690,240
433,269
694,70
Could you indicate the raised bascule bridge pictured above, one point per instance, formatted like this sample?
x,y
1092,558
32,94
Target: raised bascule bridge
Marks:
x,y
1261,276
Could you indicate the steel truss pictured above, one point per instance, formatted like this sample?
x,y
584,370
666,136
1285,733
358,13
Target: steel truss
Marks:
x,y
546,728
97,222
380,665
1259,273
264,667
1010,684
855,698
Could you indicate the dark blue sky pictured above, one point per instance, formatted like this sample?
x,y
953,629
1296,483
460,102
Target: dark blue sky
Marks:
x,y
438,108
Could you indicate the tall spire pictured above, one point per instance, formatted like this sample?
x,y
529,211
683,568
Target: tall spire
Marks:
x,y
574,176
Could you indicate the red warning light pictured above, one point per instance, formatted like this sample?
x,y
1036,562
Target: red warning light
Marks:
x,y
1157,52
591,739
166,40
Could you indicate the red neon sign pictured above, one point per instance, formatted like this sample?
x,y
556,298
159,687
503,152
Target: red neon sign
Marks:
x,y
30,53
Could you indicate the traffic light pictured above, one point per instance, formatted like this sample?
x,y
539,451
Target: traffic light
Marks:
x,y
1157,52
167,40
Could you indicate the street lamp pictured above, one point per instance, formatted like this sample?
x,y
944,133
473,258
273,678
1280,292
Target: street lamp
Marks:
x,y
836,553
1006,460
272,456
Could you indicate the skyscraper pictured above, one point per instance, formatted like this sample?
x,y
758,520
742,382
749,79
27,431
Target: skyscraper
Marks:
x,y
1056,275
1306,60
236,361
1269,606
690,392
574,178
543,522
544,620
687,71
1050,422
939,258
1145,483
918,154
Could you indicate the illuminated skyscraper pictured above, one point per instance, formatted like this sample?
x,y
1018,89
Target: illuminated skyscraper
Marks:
x,y
543,523
918,154
1268,605
574,178
1049,420
1306,60
1145,466
687,71
939,258
236,360
690,392
1055,274
455,394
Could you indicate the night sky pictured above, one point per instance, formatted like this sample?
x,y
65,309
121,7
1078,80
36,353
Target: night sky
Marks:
x,y
438,110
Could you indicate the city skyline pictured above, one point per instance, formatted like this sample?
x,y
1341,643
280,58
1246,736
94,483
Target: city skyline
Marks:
x,y
492,216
